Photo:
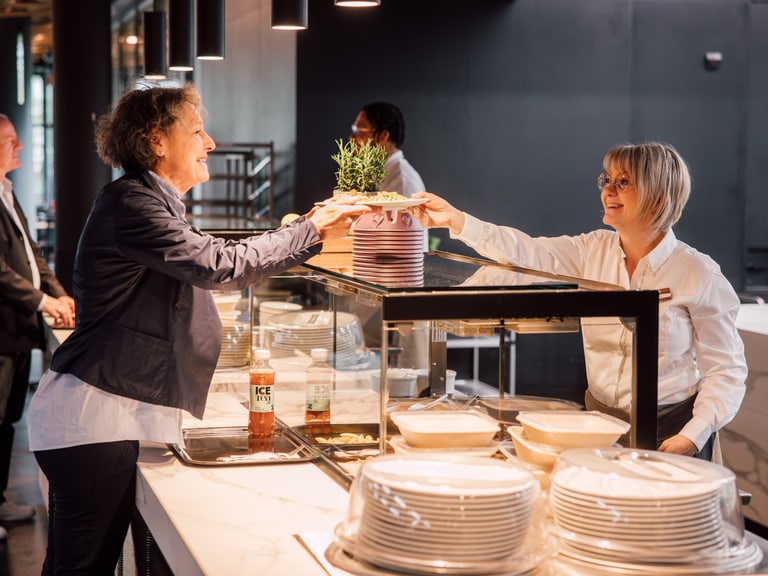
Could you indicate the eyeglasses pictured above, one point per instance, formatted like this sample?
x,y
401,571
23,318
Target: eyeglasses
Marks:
x,y
621,184
358,131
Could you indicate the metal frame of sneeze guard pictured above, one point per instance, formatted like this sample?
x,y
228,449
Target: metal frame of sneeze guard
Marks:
x,y
460,288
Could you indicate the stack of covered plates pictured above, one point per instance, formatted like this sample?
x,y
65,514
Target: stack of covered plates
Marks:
x,y
304,330
441,514
388,249
235,339
620,511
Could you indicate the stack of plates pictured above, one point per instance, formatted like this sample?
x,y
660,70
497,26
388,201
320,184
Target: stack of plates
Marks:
x,y
632,512
389,252
235,340
447,515
307,329
270,308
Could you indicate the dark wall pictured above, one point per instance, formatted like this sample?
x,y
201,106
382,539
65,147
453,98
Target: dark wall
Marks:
x,y
510,105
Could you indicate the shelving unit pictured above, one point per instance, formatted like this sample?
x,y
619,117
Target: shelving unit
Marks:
x,y
241,185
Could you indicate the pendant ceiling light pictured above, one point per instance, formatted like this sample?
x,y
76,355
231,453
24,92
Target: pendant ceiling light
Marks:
x,y
357,3
154,46
181,53
290,14
210,29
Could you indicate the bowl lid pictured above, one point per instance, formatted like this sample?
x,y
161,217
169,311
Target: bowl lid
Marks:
x,y
573,422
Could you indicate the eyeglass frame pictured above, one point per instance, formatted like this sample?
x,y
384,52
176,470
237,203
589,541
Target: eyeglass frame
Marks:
x,y
357,131
620,185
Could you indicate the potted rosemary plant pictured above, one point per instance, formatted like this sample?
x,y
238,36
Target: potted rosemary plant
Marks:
x,y
360,166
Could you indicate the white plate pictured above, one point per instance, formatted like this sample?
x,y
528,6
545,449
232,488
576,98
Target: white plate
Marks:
x,y
633,491
399,444
498,508
394,204
443,476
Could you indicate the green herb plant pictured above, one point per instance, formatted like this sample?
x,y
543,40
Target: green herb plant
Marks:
x,y
361,165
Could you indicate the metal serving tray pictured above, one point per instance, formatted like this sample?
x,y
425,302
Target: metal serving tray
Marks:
x,y
231,446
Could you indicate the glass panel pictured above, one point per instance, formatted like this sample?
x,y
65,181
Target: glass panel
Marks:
x,y
445,271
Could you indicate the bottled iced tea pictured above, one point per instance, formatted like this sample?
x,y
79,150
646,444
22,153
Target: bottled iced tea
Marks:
x,y
319,383
261,415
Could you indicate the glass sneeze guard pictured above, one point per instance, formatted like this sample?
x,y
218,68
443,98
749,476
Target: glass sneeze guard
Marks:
x,y
465,290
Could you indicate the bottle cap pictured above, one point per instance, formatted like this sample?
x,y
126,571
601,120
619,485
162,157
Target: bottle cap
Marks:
x,y
261,354
319,354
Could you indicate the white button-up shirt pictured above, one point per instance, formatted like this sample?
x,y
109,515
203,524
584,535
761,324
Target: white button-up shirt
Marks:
x,y
400,176
700,349
6,193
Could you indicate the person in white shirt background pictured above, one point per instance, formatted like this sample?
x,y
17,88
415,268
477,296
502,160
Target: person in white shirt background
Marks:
x,y
383,123
702,368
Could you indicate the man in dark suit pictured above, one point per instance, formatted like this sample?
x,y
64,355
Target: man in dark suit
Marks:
x,y
28,288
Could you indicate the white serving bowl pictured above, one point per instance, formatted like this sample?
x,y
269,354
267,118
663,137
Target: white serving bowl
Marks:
x,y
401,382
544,455
572,428
445,428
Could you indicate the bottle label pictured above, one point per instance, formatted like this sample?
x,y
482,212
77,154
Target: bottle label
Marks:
x,y
318,396
262,399
262,392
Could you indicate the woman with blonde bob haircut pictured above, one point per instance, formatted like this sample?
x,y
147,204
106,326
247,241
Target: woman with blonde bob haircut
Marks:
x,y
662,180
702,369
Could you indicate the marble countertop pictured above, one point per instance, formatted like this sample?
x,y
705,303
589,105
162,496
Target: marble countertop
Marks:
x,y
248,519
236,519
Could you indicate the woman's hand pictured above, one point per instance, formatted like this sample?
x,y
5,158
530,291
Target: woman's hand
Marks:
x,y
678,444
333,220
437,213
62,310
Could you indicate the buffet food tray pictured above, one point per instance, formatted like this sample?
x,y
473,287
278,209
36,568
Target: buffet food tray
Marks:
x,y
231,446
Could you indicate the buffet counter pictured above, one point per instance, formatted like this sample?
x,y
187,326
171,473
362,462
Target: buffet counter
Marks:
x,y
246,519
744,441
237,519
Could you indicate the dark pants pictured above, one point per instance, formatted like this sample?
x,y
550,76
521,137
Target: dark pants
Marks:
x,y
14,368
92,494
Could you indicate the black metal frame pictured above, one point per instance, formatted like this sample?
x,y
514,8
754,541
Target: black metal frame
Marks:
x,y
639,309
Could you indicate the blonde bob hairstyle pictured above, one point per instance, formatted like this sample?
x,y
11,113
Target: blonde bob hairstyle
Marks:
x,y
661,178
124,136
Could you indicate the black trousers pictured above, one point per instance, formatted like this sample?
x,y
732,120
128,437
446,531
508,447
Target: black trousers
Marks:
x,y
14,368
91,497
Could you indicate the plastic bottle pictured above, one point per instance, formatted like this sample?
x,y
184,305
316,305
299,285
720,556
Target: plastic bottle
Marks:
x,y
319,382
261,415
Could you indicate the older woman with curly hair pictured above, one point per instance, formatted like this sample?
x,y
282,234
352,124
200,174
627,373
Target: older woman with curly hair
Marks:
x,y
147,334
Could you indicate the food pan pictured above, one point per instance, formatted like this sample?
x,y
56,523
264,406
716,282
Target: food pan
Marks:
x,y
231,446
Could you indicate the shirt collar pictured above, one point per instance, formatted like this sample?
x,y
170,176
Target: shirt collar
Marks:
x,y
395,156
662,251
659,254
170,192
5,187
